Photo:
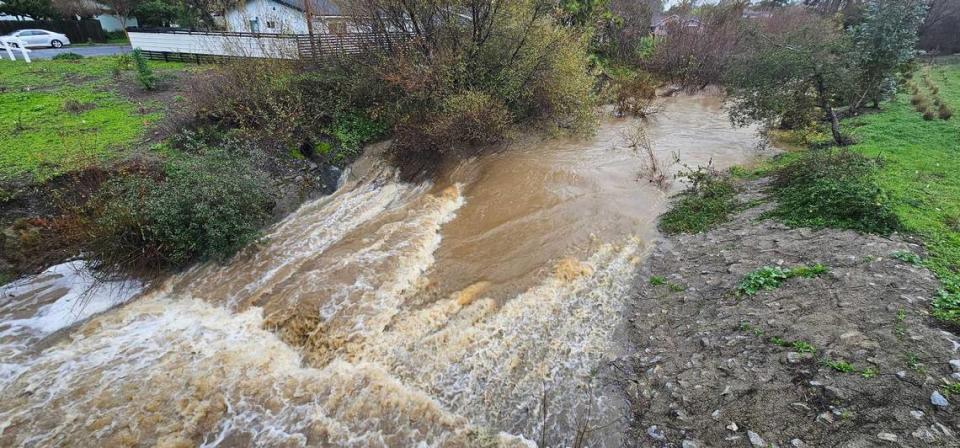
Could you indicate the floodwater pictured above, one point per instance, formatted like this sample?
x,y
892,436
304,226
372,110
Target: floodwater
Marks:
x,y
478,310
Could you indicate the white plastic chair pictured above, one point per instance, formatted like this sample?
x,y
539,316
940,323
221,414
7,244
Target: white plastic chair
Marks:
x,y
5,43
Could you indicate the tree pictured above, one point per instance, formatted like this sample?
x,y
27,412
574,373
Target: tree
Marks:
x,y
34,9
123,9
75,8
155,12
939,30
697,55
884,42
792,69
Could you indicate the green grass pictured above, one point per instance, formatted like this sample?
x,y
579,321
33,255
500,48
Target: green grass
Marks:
x,y
921,177
40,139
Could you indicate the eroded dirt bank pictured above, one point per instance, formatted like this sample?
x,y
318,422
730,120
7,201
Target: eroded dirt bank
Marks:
x,y
710,368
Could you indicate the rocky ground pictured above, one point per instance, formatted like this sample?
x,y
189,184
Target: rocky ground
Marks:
x,y
712,368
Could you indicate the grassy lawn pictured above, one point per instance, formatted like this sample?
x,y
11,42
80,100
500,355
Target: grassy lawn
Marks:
x,y
61,115
921,173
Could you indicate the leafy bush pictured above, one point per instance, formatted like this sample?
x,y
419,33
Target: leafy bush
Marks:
x,y
709,200
145,75
69,56
206,206
832,188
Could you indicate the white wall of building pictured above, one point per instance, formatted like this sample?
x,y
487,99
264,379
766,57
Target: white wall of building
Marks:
x,y
259,15
265,16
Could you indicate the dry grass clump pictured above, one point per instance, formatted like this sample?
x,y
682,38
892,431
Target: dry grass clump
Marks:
x,y
945,112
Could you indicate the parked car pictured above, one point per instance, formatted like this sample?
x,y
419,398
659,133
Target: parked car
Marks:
x,y
40,38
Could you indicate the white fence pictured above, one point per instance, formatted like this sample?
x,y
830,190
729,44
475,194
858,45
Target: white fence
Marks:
x,y
223,44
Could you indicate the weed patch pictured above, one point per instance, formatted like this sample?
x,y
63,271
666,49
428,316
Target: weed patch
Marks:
x,y
771,277
709,201
907,257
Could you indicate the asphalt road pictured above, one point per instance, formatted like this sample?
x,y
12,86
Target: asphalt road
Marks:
x,y
85,50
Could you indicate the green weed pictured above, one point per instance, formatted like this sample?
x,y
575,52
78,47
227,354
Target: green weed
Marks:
x,y
771,277
907,257
657,280
839,365
803,347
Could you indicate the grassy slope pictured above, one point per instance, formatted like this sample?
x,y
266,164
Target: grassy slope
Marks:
x,y
40,139
922,170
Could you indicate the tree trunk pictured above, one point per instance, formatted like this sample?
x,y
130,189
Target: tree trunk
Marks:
x,y
831,114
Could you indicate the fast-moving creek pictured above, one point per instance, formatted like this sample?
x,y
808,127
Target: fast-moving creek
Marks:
x,y
480,309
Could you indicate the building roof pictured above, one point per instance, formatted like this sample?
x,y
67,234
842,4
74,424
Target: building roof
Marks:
x,y
317,7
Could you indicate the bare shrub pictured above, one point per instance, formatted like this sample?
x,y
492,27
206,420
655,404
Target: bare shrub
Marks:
x,y
652,167
697,56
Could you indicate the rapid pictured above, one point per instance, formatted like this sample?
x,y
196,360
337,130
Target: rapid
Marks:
x,y
481,309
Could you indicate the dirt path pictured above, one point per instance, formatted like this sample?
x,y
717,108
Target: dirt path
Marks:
x,y
708,369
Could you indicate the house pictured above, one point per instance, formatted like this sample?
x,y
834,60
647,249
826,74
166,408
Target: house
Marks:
x,y
286,17
660,25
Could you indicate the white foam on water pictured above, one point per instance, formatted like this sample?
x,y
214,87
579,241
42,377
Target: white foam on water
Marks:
x,y
170,371
59,297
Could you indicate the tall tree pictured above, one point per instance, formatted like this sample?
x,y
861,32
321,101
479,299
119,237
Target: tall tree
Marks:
x,y
793,69
123,9
884,42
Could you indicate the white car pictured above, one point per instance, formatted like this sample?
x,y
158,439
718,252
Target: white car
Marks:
x,y
40,38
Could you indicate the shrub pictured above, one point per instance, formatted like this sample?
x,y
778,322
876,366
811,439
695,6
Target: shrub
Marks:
x,y
206,206
929,115
709,200
916,100
145,75
69,56
832,188
945,112
635,93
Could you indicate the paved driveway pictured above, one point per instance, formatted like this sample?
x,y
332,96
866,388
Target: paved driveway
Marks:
x,y
85,50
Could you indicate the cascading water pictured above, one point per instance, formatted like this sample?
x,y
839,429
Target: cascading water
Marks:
x,y
480,310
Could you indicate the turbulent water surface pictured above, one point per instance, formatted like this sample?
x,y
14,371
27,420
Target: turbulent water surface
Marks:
x,y
479,309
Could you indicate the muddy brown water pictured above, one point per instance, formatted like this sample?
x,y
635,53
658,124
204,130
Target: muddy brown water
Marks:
x,y
387,314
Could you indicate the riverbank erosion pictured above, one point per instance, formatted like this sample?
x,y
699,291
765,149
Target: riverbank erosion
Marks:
x,y
757,334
